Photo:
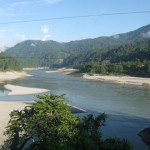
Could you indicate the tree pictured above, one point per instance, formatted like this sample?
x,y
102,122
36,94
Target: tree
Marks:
x,y
8,63
49,120
50,125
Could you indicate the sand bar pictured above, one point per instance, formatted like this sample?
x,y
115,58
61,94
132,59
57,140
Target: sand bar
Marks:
x,y
4,76
5,110
64,70
119,79
19,90
37,68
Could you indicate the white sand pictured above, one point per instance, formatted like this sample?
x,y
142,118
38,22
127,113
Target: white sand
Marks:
x,y
12,75
120,79
5,109
64,70
18,90
37,68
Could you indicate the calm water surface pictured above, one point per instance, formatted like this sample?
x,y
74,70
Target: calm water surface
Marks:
x,y
128,107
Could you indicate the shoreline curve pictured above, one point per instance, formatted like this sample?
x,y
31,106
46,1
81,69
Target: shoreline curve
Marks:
x,y
19,90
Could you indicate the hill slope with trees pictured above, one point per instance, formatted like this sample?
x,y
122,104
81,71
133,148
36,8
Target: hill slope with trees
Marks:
x,y
47,53
8,63
132,59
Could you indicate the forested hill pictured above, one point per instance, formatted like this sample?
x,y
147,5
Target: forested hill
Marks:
x,y
9,63
136,35
132,59
34,53
47,53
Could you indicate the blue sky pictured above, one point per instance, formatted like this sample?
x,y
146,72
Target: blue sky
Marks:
x,y
68,29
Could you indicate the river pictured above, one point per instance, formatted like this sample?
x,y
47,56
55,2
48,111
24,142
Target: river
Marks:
x,y
127,106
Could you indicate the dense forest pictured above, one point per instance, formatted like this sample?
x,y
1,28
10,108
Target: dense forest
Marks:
x,y
132,59
35,53
8,63
127,53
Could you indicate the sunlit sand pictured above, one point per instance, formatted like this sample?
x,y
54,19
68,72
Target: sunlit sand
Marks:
x,y
119,79
12,75
5,109
64,70
19,90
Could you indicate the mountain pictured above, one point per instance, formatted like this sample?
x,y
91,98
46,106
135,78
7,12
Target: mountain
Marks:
x,y
35,53
136,35
48,53
131,59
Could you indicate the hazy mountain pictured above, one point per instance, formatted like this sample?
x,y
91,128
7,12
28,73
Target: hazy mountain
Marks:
x,y
47,53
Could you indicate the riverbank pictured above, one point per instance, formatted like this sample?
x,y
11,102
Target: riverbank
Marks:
x,y
37,68
5,110
64,70
4,76
18,90
119,79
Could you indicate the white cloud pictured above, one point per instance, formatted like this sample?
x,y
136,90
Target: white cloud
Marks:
x,y
45,29
33,45
46,37
52,1
13,40
116,36
146,34
18,38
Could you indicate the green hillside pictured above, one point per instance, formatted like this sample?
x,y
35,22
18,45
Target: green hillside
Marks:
x,y
132,59
9,63
34,53
50,53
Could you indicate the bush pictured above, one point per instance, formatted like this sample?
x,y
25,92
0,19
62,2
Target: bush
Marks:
x,y
50,125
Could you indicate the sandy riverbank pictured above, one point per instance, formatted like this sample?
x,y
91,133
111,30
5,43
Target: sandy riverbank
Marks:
x,y
120,79
5,109
37,68
64,70
4,76
19,90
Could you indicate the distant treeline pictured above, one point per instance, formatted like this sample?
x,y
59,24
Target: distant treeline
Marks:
x,y
127,53
131,59
8,63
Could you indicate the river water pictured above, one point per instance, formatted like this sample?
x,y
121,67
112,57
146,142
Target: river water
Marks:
x,y
127,106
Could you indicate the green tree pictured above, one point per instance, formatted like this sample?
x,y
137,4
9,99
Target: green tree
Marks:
x,y
49,120
50,125
8,63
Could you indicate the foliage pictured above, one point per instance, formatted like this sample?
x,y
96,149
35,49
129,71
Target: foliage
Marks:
x,y
116,144
34,53
51,53
131,59
49,125
8,63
